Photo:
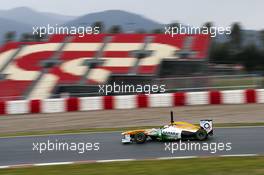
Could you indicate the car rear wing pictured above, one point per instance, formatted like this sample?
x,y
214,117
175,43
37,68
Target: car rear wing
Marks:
x,y
207,125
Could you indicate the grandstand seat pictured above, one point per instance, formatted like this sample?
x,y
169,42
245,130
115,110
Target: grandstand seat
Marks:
x,y
200,46
166,49
114,52
12,89
73,55
25,66
117,56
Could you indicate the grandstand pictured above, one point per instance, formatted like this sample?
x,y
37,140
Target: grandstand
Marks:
x,y
38,70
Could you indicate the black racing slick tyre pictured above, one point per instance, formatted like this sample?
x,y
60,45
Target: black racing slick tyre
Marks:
x,y
201,134
140,138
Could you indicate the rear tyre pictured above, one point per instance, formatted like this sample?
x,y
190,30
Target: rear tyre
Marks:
x,y
140,138
201,134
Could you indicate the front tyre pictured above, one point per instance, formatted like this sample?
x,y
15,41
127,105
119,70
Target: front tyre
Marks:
x,y
140,138
201,134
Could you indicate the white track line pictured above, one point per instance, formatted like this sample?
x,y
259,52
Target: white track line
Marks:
x,y
53,163
182,157
4,167
115,160
121,160
238,155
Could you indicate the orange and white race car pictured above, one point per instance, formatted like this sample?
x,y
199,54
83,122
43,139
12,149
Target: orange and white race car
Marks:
x,y
171,132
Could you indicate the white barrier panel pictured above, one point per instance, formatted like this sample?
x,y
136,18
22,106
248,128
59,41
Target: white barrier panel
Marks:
x,y
260,95
130,101
125,102
197,98
18,107
234,97
160,100
91,103
54,105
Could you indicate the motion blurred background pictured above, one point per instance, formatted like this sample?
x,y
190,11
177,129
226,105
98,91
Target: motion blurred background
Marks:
x,y
41,78
197,63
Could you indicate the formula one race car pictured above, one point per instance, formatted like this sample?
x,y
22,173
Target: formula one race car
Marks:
x,y
173,131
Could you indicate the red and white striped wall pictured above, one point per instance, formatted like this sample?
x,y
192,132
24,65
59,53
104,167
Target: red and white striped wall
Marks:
x,y
132,101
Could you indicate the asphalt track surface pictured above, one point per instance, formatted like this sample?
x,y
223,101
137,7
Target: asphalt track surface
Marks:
x,y
19,150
